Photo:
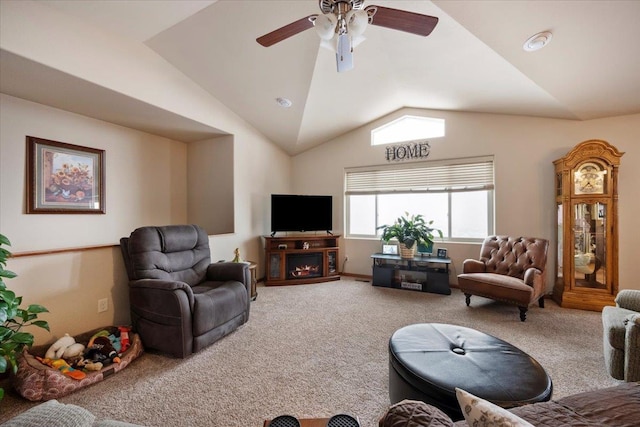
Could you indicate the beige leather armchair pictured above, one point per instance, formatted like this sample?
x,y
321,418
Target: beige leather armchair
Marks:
x,y
621,338
510,269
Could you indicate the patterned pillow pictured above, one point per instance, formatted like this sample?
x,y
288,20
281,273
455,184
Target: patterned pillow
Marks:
x,y
480,413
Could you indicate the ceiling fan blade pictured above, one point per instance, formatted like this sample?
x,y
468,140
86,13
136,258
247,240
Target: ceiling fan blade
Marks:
x,y
402,20
287,31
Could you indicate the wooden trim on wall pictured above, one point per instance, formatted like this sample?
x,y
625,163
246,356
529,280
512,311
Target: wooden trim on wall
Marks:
x,y
60,251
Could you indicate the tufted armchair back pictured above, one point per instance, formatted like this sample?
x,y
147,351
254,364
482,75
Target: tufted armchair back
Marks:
x,y
510,269
512,256
176,253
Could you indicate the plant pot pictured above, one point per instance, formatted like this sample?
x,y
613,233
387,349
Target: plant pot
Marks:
x,y
405,252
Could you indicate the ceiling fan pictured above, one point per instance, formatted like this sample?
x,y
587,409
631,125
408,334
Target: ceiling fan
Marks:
x,y
342,22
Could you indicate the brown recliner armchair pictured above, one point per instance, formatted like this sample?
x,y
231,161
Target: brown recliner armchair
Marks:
x,y
510,269
180,302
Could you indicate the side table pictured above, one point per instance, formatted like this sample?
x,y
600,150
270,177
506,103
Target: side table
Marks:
x,y
253,269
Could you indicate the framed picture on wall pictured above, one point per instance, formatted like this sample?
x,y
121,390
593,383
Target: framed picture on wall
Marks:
x,y
64,178
442,253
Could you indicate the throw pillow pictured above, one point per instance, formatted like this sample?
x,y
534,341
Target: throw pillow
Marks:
x,y
53,414
480,413
413,413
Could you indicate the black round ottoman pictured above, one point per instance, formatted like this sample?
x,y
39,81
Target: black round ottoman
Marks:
x,y
428,361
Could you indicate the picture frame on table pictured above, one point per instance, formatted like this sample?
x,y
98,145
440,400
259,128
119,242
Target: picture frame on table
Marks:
x,y
442,253
64,178
390,249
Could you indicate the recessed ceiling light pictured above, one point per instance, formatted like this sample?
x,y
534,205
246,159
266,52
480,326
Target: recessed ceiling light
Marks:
x,y
537,41
284,102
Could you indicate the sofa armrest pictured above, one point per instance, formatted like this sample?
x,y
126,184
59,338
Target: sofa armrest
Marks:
x,y
473,266
535,278
160,296
632,348
629,299
224,271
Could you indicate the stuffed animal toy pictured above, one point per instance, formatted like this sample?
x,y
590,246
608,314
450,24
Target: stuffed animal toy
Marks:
x,y
115,342
88,365
124,338
104,347
63,366
102,333
94,354
65,345
73,351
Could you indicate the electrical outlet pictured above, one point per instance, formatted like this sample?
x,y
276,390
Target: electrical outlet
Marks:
x,y
346,258
103,305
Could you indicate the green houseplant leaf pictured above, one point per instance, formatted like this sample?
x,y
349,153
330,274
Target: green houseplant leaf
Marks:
x,y
409,230
13,318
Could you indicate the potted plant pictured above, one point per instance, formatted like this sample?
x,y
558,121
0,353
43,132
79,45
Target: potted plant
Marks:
x,y
13,318
409,230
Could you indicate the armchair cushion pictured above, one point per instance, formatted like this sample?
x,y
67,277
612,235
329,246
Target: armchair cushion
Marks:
x,y
498,286
215,303
178,253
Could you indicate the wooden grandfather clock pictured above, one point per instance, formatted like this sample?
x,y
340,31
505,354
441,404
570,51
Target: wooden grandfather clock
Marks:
x,y
587,232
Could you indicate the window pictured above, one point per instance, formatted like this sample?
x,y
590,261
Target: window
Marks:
x,y
407,128
456,194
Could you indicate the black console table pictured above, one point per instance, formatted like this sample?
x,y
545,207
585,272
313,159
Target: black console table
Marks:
x,y
421,273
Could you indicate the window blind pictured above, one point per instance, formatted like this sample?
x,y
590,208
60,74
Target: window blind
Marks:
x,y
421,178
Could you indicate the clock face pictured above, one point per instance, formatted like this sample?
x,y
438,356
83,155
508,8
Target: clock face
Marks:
x,y
589,179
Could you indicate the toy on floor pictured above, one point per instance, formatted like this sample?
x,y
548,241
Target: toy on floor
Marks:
x,y
102,333
101,350
62,366
125,343
88,365
65,347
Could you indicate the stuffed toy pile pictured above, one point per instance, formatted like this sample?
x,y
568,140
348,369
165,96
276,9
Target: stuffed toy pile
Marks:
x,y
74,359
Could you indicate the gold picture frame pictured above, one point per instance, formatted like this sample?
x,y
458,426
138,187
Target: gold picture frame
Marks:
x,y
64,178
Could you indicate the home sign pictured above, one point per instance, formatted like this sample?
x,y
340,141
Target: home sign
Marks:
x,y
407,151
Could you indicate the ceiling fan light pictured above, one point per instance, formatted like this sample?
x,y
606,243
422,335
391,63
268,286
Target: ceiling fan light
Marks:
x,y
357,21
325,26
329,44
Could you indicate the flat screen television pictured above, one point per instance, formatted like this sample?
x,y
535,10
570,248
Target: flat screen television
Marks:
x,y
290,212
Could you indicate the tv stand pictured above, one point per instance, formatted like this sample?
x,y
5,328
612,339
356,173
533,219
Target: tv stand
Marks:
x,y
426,274
302,259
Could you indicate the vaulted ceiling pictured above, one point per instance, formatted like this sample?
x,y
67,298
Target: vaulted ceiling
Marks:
x,y
472,61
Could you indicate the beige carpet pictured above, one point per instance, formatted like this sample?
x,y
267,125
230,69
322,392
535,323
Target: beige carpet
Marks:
x,y
318,350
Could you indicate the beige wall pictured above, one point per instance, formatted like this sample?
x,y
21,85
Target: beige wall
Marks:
x,y
523,148
210,189
145,178
145,184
